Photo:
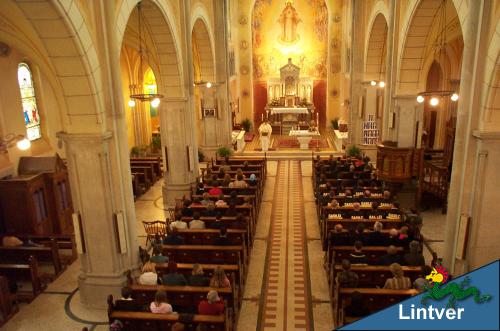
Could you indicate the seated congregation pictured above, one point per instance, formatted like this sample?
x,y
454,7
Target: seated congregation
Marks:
x,y
194,277
373,248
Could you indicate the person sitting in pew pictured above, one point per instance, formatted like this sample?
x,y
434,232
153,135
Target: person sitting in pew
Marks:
x,y
160,305
403,237
210,210
221,173
348,197
186,211
221,239
357,307
414,257
246,202
420,283
218,222
338,237
126,302
239,182
215,191
358,234
219,279
356,213
393,238
179,224
231,211
173,238
148,275
357,256
394,212
196,223
200,189
173,278
347,277
398,281
376,238
225,166
252,180
234,199
226,180
239,223
391,257
206,199
157,256
197,277
221,202
239,171
196,202
212,306
386,197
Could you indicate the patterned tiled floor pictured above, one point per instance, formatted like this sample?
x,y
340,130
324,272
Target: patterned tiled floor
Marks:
x,y
286,304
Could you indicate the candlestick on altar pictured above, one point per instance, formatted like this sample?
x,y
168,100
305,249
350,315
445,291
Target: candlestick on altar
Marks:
x,y
262,116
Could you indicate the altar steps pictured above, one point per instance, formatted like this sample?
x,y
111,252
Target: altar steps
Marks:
x,y
290,155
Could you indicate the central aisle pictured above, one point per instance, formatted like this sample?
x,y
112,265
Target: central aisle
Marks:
x,y
287,301
286,286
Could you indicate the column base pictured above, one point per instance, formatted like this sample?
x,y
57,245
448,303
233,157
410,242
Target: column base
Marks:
x,y
175,191
94,290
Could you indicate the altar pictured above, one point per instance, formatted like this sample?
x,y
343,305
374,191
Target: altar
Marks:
x,y
304,137
289,99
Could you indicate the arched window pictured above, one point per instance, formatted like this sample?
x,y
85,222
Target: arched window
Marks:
x,y
28,98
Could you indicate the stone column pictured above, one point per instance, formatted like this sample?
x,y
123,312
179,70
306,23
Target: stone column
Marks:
x,y
466,149
391,70
221,19
94,185
357,73
179,148
407,115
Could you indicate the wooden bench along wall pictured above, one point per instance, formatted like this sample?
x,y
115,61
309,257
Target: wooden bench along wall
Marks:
x,y
63,242
21,254
139,321
27,272
8,307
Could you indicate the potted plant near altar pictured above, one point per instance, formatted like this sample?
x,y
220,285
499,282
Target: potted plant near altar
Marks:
x,y
335,123
224,152
354,151
246,124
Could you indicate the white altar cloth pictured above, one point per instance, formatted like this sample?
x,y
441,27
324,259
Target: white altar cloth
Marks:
x,y
289,110
340,139
304,137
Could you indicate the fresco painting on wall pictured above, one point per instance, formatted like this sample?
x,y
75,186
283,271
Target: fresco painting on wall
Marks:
x,y
283,31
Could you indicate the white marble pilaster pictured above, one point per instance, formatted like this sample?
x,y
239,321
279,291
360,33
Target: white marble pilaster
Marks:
x,y
405,124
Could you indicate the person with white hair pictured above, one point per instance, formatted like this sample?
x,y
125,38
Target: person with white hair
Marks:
x,y
398,281
213,305
376,237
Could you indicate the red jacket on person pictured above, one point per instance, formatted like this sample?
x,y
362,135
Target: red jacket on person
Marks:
x,y
216,308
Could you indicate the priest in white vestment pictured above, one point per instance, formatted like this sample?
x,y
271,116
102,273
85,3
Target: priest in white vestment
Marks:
x,y
265,131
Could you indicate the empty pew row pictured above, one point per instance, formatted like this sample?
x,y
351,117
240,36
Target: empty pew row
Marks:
x,y
27,272
8,306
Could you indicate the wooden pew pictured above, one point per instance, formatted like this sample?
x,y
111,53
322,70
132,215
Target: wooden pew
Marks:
x,y
148,171
142,321
374,275
27,272
184,298
208,236
154,162
375,298
329,224
143,180
207,254
232,271
63,242
8,306
22,254
336,254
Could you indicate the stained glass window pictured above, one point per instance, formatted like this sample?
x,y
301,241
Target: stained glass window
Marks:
x,y
28,98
